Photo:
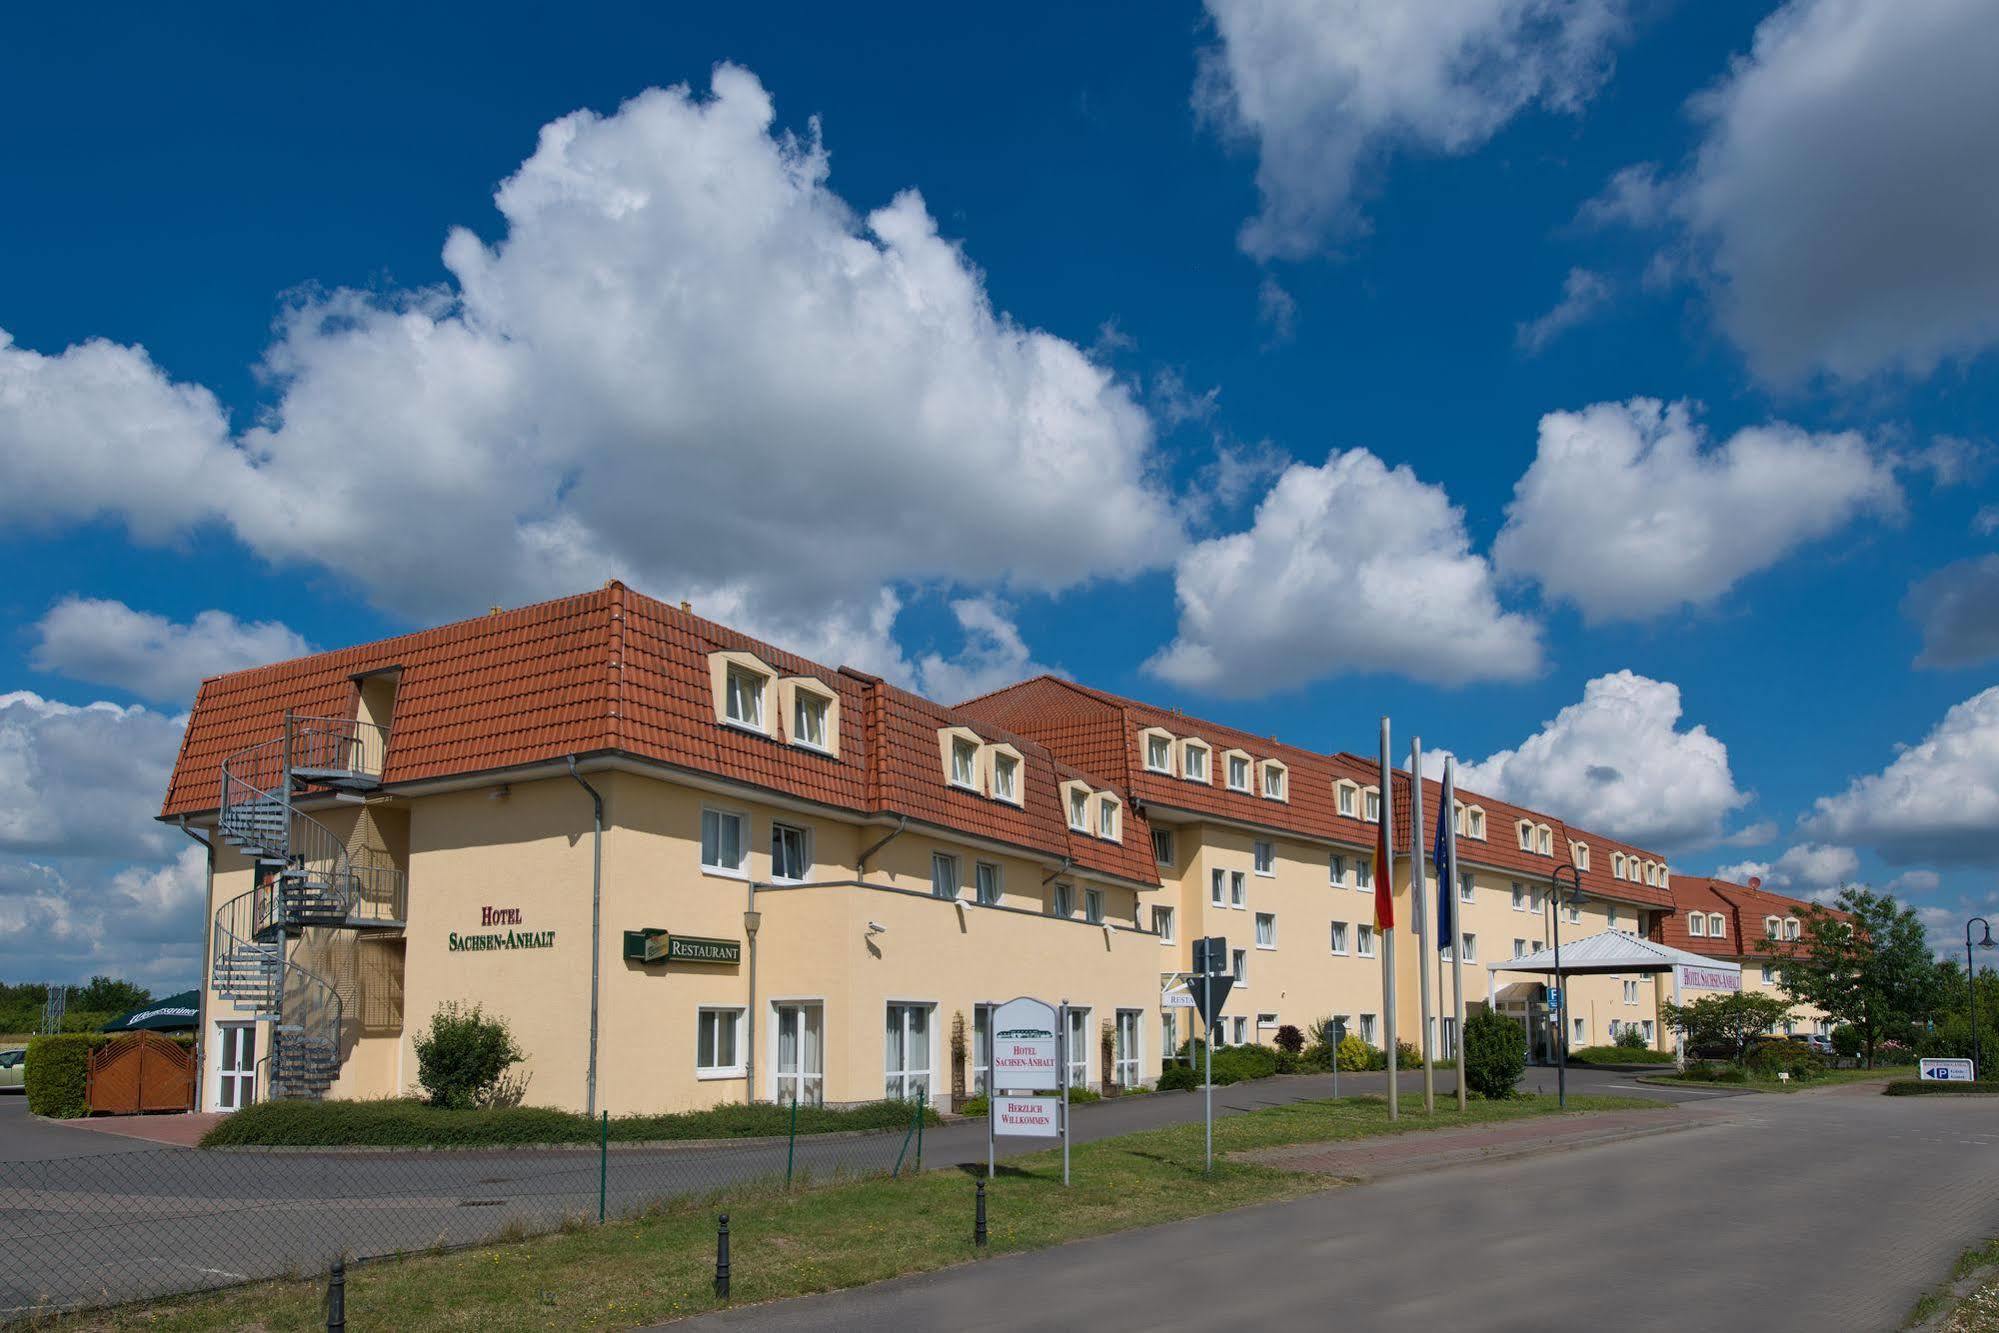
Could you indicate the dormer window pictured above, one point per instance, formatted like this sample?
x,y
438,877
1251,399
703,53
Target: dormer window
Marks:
x,y
964,763
1579,855
1348,797
963,755
1158,751
1371,805
1238,771
745,697
1791,928
811,711
1617,865
808,721
1006,776
1107,819
1770,927
1544,840
1526,831
1697,924
1273,780
1717,929
1079,808
1194,761
1475,823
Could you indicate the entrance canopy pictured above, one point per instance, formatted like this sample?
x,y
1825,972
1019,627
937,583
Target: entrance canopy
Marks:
x,y
1615,951
176,1013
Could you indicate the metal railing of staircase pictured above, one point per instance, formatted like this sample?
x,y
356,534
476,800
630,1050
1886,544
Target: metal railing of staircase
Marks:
x,y
336,745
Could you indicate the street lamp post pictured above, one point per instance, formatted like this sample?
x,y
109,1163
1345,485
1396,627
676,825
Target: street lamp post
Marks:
x,y
1971,981
1562,986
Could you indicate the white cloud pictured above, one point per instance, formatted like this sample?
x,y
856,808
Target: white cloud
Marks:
x,y
1276,308
1583,294
1349,567
1329,91
68,923
1936,803
1635,196
1986,521
1628,513
1619,763
1806,866
685,361
1915,881
1957,608
1842,199
108,643
993,654
84,781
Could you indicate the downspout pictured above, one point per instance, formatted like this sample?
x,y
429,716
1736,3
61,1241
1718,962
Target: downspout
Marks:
x,y
596,926
861,862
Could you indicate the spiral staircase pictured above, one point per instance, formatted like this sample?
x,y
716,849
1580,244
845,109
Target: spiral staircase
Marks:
x,y
306,877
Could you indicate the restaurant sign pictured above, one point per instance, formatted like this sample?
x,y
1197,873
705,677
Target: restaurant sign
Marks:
x,y
659,946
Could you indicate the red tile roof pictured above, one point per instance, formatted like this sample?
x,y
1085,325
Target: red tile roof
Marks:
x,y
614,671
1742,906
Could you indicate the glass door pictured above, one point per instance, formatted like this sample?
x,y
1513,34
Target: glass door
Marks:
x,y
236,1065
1127,1048
801,1069
1079,1048
906,1052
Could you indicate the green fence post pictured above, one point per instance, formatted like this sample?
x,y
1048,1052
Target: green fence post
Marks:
x,y
791,1144
921,1094
603,1163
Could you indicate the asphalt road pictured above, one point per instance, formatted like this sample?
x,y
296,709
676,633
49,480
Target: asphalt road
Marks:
x,y
87,1217
1812,1211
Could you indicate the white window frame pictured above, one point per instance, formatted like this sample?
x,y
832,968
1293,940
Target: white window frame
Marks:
x,y
1469,939
804,833
1006,777
948,862
1370,803
1159,846
1264,857
1163,743
1079,1069
1231,760
1697,925
1162,923
1363,870
1367,1027
1238,890
1218,887
1194,754
1110,823
906,1075
735,1014
1257,927
1125,1049
1519,896
760,724
980,877
1093,906
1239,965
808,1086
1079,808
1274,783
1337,938
803,702
741,870
965,775
1336,869
1347,799
1363,941
1467,887
1060,904
1717,926
1519,948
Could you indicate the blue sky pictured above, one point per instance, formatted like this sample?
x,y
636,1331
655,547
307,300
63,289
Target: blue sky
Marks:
x,y
1602,391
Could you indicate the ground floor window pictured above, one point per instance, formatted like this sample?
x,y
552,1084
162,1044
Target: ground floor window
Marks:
x,y
1162,924
906,1052
1241,1031
1647,1025
1367,1028
1169,1034
1079,1048
1127,1048
1449,1049
235,1065
1093,906
1580,1030
718,1043
801,1059
982,1048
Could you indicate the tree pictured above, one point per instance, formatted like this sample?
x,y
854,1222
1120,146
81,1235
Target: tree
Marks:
x,y
463,1059
1726,1020
1495,1054
1868,965
109,995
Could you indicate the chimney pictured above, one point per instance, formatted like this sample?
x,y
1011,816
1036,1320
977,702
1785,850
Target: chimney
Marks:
x,y
687,606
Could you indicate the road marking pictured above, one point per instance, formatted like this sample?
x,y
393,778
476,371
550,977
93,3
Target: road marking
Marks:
x,y
1677,1092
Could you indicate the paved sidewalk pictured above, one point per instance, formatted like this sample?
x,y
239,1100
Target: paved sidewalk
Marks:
x,y
176,1131
1378,1159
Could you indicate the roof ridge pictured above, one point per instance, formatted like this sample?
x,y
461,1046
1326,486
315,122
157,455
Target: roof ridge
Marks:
x,y
615,621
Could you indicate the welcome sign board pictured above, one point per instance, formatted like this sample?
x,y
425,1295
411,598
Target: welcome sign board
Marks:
x,y
1024,1046
1028,1117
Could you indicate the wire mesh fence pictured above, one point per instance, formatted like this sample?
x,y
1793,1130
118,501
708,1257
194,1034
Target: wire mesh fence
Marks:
x,y
89,1231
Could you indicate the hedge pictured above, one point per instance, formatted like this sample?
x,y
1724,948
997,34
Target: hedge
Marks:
x,y
405,1122
1916,1087
1619,1055
57,1076
977,1105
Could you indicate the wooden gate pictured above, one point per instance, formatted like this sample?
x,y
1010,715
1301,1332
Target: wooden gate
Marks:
x,y
140,1072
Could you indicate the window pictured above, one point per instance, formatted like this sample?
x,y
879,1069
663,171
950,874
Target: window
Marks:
x,y
1265,856
1363,871
1216,880
1610,916
1169,1035
964,762
943,875
790,852
1631,992
1238,889
1520,948
1126,1048
1162,846
1617,865
1717,929
1697,924
1266,930
1194,762
1273,781
1347,794
1093,906
718,1043
1364,940
1579,854
1373,812
1367,1028
1336,869
1575,911
1769,974
1339,937
987,878
722,841
1159,754
1471,946
1646,1023
1006,778
1465,886
1519,896
808,719
1544,840
1239,959
745,697
906,1051
982,1048
1239,772
1475,823
1079,1048
1539,945
1535,899
1791,928
1526,832
1770,927
1264,1021
1079,808
1241,1031
1581,1031
801,1045
1059,903
1162,924
1107,818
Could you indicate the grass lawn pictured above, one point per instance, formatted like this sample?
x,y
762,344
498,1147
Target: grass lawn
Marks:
x,y
1825,1080
660,1266
1958,1304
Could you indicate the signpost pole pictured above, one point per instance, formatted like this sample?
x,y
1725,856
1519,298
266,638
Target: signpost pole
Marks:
x,y
992,1081
1062,1045
1208,1056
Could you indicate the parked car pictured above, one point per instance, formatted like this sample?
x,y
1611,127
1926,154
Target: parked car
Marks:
x,y
1818,1041
13,1068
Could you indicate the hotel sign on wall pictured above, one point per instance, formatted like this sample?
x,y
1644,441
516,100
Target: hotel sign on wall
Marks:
x,y
508,938
1695,977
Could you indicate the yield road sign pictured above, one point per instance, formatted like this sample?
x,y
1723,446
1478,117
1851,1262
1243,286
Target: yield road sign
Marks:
x,y
1210,993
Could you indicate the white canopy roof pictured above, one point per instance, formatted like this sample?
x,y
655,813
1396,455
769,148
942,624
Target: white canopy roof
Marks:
x,y
1611,951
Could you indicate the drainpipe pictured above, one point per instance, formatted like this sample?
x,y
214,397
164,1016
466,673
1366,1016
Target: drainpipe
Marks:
x,y
596,926
861,861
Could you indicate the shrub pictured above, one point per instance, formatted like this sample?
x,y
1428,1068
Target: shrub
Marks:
x,y
1287,1063
1235,1064
462,1060
1771,1058
1318,1059
1846,1041
1619,1055
1356,1055
1918,1087
1631,1039
1178,1077
1495,1056
1290,1039
57,1070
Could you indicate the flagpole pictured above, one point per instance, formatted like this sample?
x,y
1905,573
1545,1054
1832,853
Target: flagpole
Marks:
x,y
1416,913
1457,926
1384,886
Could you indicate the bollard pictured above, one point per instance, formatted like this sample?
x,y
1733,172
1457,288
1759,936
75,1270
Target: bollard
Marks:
x,y
336,1298
979,1224
603,1164
722,1259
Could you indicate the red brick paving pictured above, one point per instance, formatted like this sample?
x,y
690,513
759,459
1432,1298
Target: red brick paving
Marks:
x,y
181,1131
